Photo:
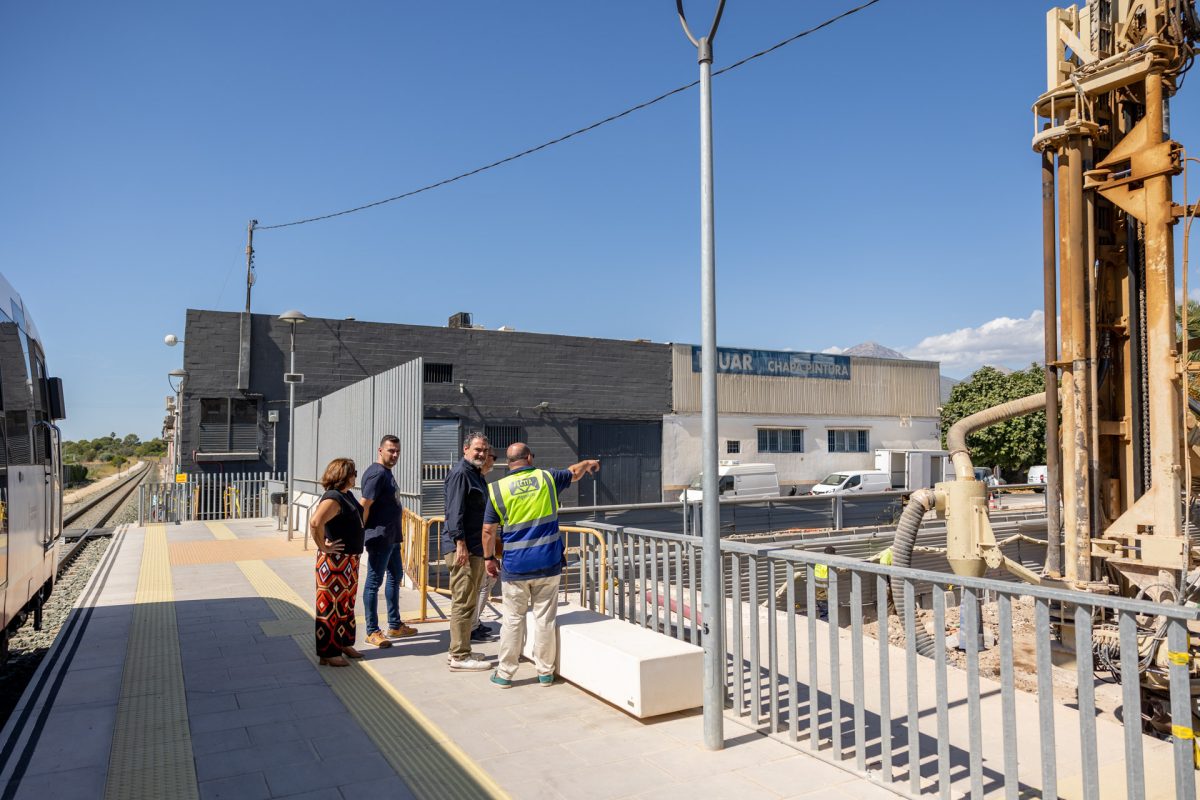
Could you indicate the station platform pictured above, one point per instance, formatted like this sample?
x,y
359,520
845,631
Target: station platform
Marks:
x,y
188,670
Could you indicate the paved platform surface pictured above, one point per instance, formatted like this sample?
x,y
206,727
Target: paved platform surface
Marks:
x,y
188,670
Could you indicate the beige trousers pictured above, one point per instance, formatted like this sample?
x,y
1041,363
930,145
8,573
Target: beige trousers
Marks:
x,y
540,594
464,589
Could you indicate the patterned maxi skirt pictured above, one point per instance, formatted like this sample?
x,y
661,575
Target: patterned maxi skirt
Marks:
x,y
337,588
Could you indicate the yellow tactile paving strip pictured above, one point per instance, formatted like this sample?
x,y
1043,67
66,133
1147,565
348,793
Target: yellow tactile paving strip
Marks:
x,y
221,531
422,754
152,746
227,550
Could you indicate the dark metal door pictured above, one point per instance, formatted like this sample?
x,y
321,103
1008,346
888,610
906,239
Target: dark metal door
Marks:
x,y
630,456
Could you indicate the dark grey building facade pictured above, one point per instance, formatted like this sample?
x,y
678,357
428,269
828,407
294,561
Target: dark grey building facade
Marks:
x,y
568,397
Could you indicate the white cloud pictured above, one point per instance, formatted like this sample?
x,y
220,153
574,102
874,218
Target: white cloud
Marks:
x,y
1002,341
835,350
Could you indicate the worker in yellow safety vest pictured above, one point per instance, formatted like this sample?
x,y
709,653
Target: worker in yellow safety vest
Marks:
x,y
523,513
885,559
821,582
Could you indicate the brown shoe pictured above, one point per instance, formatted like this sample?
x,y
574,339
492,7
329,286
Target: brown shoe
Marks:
x,y
336,661
350,652
378,639
402,631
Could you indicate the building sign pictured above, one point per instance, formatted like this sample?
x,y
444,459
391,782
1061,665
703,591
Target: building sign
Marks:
x,y
773,364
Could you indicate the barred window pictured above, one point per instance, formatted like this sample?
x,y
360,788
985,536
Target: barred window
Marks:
x,y
501,436
733,446
228,424
439,373
781,440
849,441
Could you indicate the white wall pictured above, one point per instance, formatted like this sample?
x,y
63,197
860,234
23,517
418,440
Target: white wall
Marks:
x,y
682,435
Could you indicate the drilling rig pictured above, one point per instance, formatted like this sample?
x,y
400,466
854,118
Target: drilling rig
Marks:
x,y
1117,367
1123,431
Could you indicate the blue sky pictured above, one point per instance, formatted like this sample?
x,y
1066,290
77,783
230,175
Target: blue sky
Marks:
x,y
873,181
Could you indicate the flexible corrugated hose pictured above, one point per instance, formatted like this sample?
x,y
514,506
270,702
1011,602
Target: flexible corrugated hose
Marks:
x,y
906,534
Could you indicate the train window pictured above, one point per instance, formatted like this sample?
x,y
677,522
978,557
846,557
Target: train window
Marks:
x,y
14,369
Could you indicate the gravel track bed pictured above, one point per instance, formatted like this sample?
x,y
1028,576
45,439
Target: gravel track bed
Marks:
x,y
27,646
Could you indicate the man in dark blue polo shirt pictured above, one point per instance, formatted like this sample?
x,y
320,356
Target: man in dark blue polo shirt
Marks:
x,y
462,544
381,519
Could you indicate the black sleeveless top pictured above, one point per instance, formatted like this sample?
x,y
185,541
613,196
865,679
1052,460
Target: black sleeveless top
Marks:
x,y
347,526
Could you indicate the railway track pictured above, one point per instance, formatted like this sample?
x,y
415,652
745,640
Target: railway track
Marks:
x,y
95,512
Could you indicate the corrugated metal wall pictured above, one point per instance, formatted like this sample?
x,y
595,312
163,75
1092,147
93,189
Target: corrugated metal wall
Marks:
x,y
877,387
351,421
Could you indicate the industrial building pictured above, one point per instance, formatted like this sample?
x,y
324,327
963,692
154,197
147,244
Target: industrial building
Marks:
x,y
810,414
633,404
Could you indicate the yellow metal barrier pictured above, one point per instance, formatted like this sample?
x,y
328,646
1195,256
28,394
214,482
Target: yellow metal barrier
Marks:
x,y
581,548
424,568
231,500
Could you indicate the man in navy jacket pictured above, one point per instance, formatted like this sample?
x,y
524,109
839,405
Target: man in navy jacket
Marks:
x,y
462,544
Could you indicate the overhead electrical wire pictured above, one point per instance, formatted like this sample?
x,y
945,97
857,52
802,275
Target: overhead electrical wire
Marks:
x,y
574,133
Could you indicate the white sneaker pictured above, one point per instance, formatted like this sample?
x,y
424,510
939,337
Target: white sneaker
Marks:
x,y
470,665
473,657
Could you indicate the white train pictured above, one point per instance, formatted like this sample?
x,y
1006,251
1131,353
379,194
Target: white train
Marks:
x,y
30,467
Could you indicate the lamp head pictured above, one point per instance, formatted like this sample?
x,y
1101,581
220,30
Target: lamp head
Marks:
x,y
292,317
170,340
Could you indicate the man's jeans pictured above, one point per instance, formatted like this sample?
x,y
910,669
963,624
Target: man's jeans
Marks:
x,y
381,559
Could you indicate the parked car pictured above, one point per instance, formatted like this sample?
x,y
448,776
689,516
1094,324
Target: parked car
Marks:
x,y
985,476
1037,475
858,480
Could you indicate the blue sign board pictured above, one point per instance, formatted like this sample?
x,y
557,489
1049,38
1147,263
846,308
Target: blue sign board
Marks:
x,y
773,364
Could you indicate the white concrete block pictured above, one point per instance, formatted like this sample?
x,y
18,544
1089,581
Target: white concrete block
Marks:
x,y
636,669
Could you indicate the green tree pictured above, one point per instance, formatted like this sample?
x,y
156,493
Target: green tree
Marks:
x,y
1012,445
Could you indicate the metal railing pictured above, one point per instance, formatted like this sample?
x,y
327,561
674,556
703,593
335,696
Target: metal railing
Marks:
x,y
209,496
912,723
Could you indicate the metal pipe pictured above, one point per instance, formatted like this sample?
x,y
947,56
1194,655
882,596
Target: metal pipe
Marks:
x,y
1050,328
1076,439
1165,435
291,473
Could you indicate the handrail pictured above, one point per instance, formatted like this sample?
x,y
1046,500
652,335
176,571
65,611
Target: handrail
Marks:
x,y
603,577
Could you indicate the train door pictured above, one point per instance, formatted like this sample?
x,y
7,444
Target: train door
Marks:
x,y
46,447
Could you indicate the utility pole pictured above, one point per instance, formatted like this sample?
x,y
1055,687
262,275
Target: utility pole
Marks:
x,y
712,591
249,260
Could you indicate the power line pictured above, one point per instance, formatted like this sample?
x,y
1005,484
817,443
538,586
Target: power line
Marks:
x,y
578,132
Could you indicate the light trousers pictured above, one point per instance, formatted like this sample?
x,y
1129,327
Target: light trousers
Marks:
x,y
540,594
464,590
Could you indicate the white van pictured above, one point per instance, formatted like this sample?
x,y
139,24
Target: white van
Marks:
x,y
854,480
738,480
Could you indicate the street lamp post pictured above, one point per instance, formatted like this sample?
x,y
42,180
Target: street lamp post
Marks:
x,y
176,379
292,318
712,593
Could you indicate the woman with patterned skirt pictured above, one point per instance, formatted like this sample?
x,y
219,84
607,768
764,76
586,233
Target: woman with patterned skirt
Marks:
x,y
337,530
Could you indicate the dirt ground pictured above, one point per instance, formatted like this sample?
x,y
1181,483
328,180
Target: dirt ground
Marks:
x,y
1108,695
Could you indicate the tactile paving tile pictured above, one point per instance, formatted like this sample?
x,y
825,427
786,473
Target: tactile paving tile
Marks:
x,y
224,551
221,531
152,746
397,727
